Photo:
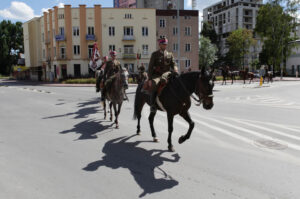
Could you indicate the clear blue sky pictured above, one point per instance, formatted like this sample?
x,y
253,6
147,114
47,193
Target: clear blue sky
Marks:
x,y
23,10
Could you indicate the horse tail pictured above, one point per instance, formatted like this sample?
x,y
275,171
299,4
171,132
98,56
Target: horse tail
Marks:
x,y
137,94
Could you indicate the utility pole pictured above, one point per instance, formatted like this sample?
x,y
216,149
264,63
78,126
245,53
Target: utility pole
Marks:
x,y
178,38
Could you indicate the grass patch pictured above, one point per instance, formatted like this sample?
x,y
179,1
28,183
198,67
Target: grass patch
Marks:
x,y
80,81
4,77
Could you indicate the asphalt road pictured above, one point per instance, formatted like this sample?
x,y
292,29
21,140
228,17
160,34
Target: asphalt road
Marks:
x,y
54,144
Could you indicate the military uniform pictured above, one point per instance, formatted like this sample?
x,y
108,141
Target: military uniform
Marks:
x,y
112,67
161,63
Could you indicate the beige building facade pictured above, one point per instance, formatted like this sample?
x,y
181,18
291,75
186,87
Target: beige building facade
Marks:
x,y
64,37
166,25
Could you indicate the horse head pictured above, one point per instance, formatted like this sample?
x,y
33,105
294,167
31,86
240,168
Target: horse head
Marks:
x,y
204,88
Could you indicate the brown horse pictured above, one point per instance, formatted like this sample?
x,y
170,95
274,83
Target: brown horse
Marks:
x,y
115,95
245,74
175,99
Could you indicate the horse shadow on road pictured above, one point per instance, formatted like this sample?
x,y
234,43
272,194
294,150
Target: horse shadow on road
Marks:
x,y
89,128
143,164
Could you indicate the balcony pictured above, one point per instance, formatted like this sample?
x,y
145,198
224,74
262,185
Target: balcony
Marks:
x,y
60,37
129,56
62,57
90,37
128,38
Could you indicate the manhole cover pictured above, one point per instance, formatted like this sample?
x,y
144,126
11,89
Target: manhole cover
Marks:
x,y
270,144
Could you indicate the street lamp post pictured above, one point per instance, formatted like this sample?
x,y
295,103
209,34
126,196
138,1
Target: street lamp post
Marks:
x,y
178,38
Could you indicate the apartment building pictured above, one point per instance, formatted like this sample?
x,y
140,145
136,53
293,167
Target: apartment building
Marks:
x,y
166,26
64,37
157,4
229,15
293,61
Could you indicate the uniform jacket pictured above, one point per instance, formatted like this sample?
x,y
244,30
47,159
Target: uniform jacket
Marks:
x,y
160,62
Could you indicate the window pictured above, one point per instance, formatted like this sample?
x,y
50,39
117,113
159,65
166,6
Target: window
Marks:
x,y
187,31
187,63
145,49
111,31
187,17
61,31
175,30
91,30
61,16
162,36
130,67
128,16
175,47
54,49
90,49
111,47
228,16
63,52
75,31
187,47
128,31
53,33
128,49
145,31
43,37
44,53
76,50
162,23
174,17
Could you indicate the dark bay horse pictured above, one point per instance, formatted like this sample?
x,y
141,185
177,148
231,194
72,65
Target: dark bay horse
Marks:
x,y
175,99
115,95
226,72
245,74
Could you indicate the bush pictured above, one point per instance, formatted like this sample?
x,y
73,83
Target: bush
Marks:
x,y
80,81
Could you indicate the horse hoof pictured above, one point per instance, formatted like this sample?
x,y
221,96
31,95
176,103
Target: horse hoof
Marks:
x,y
117,126
138,132
110,119
155,140
171,149
181,140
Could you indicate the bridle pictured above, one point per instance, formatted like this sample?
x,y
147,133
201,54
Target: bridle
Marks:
x,y
200,94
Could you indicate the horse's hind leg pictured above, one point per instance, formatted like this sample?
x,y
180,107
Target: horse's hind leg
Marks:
x,y
151,119
111,116
139,115
187,118
170,129
104,108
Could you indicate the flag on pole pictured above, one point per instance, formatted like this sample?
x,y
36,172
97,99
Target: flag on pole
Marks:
x,y
95,61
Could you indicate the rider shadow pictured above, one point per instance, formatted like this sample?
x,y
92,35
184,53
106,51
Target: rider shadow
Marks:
x,y
87,129
142,164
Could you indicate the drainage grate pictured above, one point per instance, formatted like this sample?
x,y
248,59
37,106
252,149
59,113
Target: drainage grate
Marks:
x,y
270,144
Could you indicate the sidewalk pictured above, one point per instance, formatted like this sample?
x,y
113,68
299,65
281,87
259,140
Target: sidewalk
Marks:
x,y
50,84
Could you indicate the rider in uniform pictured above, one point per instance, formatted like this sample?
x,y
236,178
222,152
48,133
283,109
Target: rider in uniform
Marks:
x,y
100,72
160,67
112,67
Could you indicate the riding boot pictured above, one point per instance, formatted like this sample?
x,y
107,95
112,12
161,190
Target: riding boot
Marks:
x,y
152,101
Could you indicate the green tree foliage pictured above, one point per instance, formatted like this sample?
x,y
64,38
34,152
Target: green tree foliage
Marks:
x,y
276,23
208,31
239,42
207,52
11,43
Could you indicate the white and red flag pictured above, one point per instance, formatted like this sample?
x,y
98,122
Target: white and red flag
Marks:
x,y
95,61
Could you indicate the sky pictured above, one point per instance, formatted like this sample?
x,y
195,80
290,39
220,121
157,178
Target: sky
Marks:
x,y
19,10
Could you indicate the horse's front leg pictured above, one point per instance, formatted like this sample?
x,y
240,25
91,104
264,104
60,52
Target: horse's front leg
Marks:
x,y
186,116
151,119
117,112
170,129
111,116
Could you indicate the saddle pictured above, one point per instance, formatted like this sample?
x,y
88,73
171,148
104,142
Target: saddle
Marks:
x,y
147,86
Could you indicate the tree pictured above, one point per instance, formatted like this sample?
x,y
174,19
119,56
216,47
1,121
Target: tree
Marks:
x,y
208,31
239,42
280,31
207,52
11,42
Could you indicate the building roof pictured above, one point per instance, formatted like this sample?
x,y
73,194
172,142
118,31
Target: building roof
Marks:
x,y
194,13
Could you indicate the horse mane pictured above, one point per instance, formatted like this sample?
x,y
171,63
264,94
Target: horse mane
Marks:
x,y
189,79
